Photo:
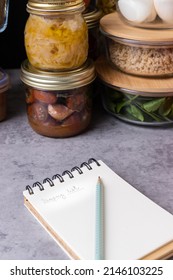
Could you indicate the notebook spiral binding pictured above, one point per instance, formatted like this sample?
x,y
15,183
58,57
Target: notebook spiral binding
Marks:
x,y
60,177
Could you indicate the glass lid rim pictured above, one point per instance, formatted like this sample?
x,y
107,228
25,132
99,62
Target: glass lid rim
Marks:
x,y
137,92
136,42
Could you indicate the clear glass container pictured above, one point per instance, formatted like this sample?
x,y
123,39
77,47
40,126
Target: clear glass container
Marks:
x,y
137,109
59,104
145,53
135,100
152,14
56,35
92,17
4,8
4,85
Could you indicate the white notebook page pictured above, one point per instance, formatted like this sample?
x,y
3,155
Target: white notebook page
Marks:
x,y
133,224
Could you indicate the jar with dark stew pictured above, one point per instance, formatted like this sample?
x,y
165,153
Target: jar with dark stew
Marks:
x,y
59,104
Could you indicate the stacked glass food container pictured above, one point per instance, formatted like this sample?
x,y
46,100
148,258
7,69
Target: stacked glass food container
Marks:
x,y
137,70
58,73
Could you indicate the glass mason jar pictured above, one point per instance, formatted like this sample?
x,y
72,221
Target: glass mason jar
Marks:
x,y
146,53
142,101
92,17
107,6
56,34
59,104
154,14
4,85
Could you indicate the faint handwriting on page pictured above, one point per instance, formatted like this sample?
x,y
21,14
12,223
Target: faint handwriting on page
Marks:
x,y
65,194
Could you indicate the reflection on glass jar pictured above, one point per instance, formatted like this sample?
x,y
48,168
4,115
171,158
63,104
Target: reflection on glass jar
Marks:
x,y
59,104
56,39
4,85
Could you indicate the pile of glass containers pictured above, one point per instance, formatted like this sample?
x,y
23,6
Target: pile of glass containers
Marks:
x,y
139,56
58,74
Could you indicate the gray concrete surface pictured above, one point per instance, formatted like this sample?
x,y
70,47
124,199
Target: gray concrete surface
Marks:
x,y
143,156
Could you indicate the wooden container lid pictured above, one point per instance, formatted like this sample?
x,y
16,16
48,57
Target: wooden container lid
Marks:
x,y
131,84
113,25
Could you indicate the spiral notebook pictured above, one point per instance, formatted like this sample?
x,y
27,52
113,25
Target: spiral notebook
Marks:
x,y
134,226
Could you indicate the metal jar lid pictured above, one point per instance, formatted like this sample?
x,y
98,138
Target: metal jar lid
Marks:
x,y
42,7
4,81
92,16
58,80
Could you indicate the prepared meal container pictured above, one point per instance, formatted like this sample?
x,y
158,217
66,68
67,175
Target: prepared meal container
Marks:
x,y
155,14
92,17
141,52
59,104
135,100
4,85
56,34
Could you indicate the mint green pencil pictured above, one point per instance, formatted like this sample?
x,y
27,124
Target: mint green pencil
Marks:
x,y
99,254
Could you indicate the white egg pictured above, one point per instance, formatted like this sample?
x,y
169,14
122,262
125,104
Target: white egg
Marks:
x,y
136,10
164,9
152,16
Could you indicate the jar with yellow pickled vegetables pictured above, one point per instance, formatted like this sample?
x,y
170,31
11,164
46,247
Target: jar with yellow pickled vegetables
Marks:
x,y
56,34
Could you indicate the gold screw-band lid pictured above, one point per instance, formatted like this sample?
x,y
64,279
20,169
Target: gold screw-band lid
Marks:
x,y
52,6
92,16
58,80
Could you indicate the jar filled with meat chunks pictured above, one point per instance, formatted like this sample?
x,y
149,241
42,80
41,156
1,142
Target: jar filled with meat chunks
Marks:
x,y
59,104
